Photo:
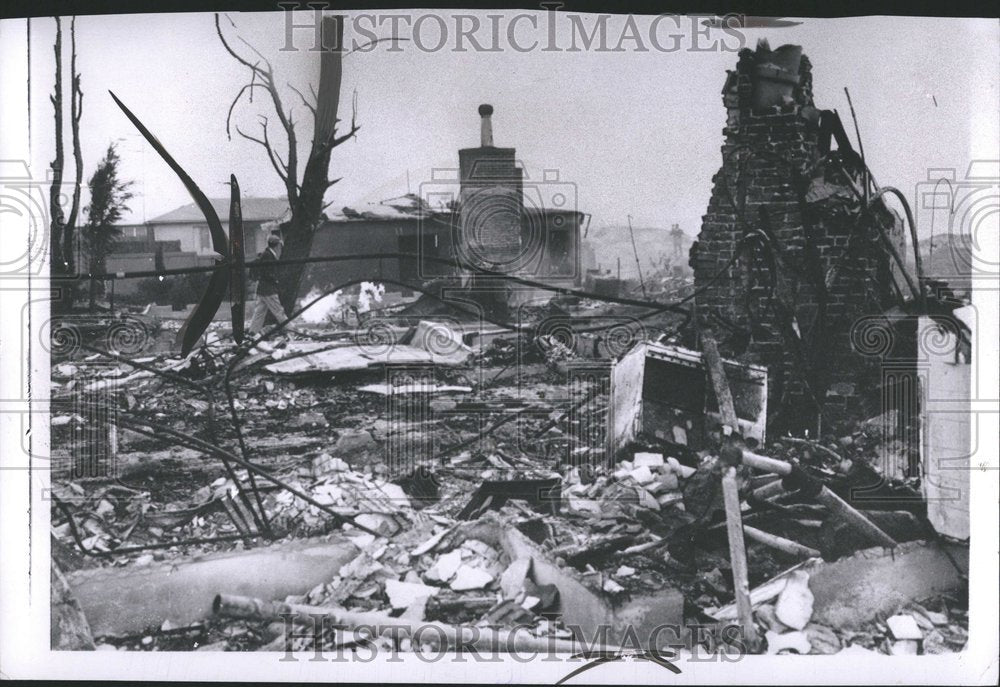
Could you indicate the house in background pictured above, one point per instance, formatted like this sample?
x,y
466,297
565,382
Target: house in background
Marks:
x,y
486,215
187,226
182,234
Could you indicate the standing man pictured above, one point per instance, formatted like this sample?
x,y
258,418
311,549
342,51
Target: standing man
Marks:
x,y
267,286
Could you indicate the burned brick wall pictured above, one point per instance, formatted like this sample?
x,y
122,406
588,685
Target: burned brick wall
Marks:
x,y
791,253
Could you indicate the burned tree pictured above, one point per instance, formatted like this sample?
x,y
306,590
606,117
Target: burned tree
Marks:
x,y
76,111
62,240
305,193
55,206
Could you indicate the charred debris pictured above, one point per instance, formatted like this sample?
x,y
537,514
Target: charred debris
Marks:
x,y
551,465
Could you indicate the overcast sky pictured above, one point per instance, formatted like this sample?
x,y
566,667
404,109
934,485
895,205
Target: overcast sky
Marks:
x,y
636,132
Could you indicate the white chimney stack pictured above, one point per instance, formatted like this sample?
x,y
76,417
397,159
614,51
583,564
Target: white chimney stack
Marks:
x,y
486,132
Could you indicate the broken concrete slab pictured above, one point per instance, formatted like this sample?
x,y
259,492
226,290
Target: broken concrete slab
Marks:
x,y
121,601
849,592
439,339
309,418
355,443
467,577
351,358
904,647
642,475
445,567
795,602
68,629
795,640
649,460
512,579
406,594
582,608
903,626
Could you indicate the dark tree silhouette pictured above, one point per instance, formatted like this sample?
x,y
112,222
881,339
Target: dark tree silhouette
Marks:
x,y
109,198
62,228
305,193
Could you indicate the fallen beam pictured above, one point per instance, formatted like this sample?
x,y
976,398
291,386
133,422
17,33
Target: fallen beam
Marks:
x,y
792,548
118,601
839,508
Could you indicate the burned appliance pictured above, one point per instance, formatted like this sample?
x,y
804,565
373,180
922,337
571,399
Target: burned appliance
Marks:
x,y
661,392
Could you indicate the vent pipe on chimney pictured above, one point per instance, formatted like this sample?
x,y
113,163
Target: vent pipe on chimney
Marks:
x,y
486,131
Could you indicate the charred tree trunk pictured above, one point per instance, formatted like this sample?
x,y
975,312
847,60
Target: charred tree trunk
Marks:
x,y
95,271
76,111
57,265
62,242
305,197
307,213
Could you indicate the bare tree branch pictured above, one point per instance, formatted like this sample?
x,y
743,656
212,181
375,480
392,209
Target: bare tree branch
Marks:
x,y
229,49
354,125
289,128
266,76
275,157
374,42
337,140
312,108
256,51
232,106
276,162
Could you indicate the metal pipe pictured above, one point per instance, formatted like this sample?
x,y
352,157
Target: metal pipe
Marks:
x,y
454,636
917,260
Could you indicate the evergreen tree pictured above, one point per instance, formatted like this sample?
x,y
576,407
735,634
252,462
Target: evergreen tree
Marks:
x,y
109,196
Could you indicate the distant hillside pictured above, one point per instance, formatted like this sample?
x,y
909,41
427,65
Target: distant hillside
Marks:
x,y
610,243
949,256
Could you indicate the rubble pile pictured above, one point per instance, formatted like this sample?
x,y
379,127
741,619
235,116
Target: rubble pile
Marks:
x,y
510,517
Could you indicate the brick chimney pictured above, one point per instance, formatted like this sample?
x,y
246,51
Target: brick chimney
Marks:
x,y
490,201
780,179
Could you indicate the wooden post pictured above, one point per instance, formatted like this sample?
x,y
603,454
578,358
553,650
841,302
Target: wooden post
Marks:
x,y
713,361
738,556
731,491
